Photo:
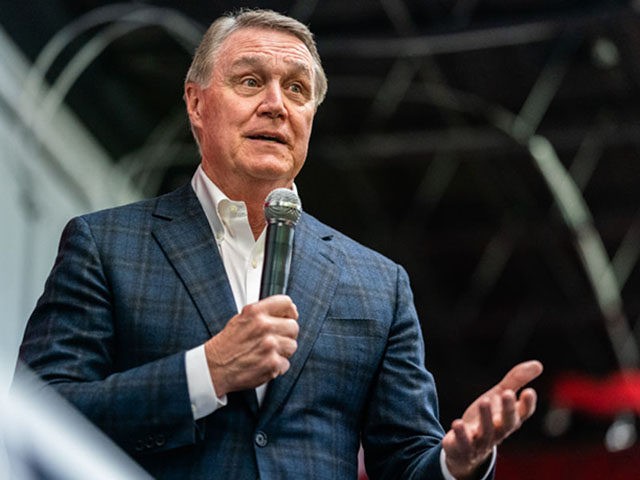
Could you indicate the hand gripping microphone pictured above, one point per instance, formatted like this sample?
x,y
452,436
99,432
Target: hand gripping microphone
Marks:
x,y
282,209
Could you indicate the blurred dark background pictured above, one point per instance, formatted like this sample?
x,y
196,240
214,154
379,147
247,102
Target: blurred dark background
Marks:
x,y
489,146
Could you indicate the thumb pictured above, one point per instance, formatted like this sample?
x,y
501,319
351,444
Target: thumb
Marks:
x,y
520,375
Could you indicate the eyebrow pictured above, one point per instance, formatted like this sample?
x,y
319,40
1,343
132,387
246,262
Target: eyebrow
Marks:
x,y
255,61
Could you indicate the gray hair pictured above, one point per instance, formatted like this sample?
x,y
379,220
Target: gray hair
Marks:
x,y
204,57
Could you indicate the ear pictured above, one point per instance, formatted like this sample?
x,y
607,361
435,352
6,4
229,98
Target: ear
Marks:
x,y
194,101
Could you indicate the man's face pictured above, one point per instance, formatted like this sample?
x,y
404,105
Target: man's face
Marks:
x,y
254,118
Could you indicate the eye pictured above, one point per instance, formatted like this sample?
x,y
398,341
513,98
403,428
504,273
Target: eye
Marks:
x,y
300,89
250,82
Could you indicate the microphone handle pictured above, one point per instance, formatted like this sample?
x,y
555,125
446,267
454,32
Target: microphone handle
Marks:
x,y
277,259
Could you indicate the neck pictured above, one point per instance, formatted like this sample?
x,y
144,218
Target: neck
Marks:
x,y
255,212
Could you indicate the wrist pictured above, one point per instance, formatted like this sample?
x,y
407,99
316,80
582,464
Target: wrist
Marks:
x,y
217,379
482,470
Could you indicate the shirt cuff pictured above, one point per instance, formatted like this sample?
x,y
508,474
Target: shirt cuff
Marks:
x,y
447,475
202,393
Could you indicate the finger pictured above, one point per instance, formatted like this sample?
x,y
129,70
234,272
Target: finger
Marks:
x,y
277,306
462,437
283,367
520,375
508,421
527,403
462,455
287,347
284,327
483,439
281,306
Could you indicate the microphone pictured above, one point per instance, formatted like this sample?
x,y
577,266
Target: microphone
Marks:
x,y
282,209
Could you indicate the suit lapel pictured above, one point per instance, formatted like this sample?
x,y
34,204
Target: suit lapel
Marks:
x,y
184,234
182,230
312,284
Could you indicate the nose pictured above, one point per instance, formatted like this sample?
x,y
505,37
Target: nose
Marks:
x,y
272,104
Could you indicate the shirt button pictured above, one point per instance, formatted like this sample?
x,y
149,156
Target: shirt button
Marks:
x,y
261,439
254,263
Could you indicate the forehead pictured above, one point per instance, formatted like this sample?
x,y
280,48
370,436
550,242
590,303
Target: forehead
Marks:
x,y
265,43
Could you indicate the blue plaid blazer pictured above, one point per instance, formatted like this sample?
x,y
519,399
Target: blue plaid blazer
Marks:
x,y
134,287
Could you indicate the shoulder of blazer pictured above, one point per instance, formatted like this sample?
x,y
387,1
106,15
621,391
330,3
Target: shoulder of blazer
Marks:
x,y
311,225
176,203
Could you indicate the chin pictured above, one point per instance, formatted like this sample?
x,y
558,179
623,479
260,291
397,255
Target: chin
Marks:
x,y
272,169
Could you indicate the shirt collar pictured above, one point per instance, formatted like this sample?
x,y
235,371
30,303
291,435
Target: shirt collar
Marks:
x,y
218,208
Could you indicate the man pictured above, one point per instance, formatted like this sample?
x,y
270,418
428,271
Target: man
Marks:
x,y
150,322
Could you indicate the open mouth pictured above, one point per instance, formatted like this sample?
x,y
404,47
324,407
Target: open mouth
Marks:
x,y
268,138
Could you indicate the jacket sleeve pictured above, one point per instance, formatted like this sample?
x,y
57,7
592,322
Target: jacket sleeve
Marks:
x,y
402,435
71,342
402,432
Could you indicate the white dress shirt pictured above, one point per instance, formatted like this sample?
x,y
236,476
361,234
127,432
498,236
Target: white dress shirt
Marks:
x,y
242,257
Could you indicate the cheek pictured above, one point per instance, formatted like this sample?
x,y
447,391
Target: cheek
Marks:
x,y
220,126
212,134
303,131
222,111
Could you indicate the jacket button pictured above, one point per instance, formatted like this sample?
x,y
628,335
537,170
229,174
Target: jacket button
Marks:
x,y
261,439
160,440
139,446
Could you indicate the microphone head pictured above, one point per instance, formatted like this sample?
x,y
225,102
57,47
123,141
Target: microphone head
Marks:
x,y
282,205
